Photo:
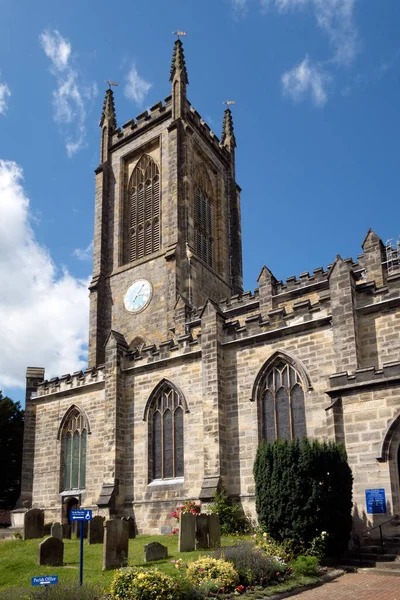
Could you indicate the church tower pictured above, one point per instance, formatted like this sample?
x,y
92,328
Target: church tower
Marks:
x,y
167,219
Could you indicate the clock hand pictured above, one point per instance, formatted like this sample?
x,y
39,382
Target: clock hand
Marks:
x,y
138,294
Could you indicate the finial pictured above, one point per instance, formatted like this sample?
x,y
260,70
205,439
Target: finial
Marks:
x,y
228,135
108,115
178,58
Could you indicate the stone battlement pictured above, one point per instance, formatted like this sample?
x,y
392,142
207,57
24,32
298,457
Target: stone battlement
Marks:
x,y
179,346
144,119
364,376
70,381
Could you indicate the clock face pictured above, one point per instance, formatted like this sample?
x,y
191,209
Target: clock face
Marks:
x,y
138,296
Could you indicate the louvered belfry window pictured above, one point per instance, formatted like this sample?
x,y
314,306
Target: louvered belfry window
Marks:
x,y
282,398
144,209
74,439
166,430
203,215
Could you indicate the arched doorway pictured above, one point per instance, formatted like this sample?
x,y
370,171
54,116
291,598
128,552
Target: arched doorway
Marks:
x,y
70,503
390,453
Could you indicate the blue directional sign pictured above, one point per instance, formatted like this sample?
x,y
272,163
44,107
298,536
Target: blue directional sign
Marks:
x,y
45,580
80,515
375,501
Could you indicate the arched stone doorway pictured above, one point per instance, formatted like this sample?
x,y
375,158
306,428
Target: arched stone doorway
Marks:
x,y
70,503
390,454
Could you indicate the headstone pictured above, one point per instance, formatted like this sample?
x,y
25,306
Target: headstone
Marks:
x,y
155,551
66,531
116,544
202,541
51,552
96,530
33,524
57,531
132,527
214,531
187,532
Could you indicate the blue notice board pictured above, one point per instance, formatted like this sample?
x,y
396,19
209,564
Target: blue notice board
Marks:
x,y
45,580
80,515
375,501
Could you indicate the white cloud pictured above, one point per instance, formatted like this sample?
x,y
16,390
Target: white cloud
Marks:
x,y
84,254
4,94
71,95
44,313
334,17
306,78
136,87
239,5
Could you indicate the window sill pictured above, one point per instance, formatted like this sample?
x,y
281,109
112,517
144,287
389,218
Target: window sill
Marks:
x,y
165,482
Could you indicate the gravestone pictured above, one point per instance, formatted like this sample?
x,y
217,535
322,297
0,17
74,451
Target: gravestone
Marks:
x,y
187,532
214,532
96,530
202,541
33,524
57,531
155,551
51,552
132,526
116,544
66,531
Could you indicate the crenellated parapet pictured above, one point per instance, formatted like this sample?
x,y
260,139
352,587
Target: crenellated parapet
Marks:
x,y
70,381
340,382
180,346
195,120
146,119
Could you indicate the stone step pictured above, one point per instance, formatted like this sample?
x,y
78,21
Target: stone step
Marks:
x,y
380,571
374,556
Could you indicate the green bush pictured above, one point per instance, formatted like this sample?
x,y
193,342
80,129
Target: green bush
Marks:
x,y
305,565
143,584
251,563
231,516
217,573
303,488
285,550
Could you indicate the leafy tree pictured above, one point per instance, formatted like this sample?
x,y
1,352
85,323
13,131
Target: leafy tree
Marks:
x,y
11,431
302,489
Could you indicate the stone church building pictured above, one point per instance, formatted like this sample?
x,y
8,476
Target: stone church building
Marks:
x,y
187,373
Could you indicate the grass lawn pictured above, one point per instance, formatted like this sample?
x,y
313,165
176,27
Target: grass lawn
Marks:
x,y
18,560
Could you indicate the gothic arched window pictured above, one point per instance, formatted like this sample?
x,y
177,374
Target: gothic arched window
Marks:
x,y
74,441
144,209
282,403
166,433
203,216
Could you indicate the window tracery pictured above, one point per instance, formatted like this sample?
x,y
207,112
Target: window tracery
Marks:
x,y
74,442
282,403
203,216
144,209
166,434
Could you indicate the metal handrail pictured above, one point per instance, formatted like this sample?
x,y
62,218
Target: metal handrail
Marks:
x,y
358,536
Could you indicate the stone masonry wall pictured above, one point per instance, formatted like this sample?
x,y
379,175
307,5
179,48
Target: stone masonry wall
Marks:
x,y
46,477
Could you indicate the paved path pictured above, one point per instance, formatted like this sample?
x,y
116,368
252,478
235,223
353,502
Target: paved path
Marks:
x,y
356,586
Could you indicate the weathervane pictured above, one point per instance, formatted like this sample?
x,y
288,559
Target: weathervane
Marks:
x,y
229,102
110,83
179,33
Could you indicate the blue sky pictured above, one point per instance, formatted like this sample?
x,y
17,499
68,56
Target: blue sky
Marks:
x,y
317,91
